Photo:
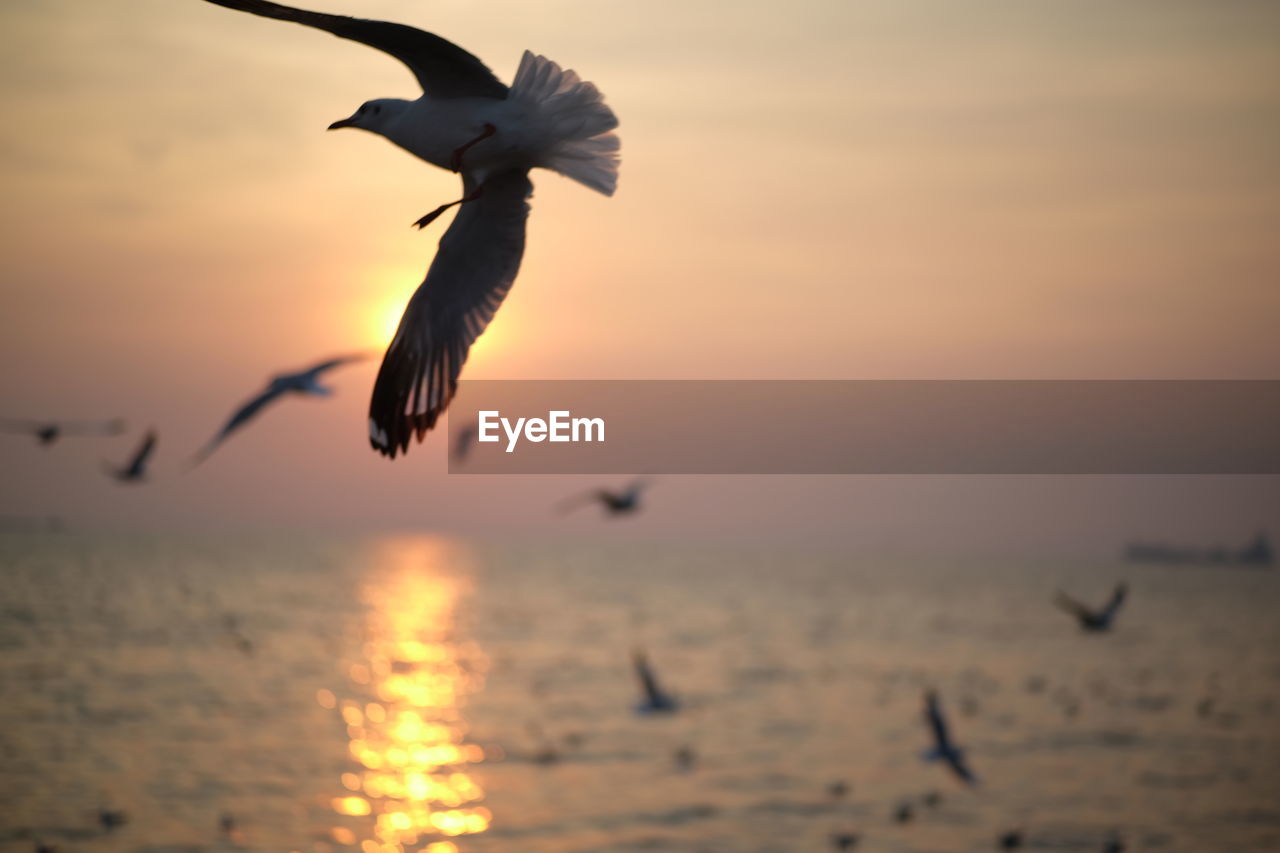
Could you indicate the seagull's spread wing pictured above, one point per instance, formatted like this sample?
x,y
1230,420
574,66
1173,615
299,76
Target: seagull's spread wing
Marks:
x,y
112,427
20,425
956,761
325,366
443,69
1117,599
139,463
1072,606
933,714
242,416
582,499
478,259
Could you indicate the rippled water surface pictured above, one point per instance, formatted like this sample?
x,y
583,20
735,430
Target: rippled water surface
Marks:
x,y
416,693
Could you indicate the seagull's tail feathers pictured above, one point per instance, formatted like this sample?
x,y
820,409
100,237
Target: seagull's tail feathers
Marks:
x,y
576,119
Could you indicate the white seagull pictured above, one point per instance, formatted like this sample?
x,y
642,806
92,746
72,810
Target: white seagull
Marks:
x,y
48,432
469,122
136,470
306,382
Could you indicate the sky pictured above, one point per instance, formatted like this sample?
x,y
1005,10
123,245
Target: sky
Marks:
x,y
811,189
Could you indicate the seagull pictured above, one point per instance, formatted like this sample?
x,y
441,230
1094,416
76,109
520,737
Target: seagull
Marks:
x,y
469,122
944,749
136,470
305,381
655,700
1090,619
1011,840
47,432
845,840
622,502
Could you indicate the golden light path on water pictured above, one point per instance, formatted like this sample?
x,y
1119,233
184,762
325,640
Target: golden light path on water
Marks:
x,y
407,738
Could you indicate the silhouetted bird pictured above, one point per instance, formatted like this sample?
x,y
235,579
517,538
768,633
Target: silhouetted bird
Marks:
x,y
42,847
112,819
904,813
226,823
615,503
838,789
304,382
48,432
1113,844
549,118
944,748
463,441
1094,620
1011,840
136,470
845,840
655,699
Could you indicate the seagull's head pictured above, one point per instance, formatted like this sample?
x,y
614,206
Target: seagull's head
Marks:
x,y
374,116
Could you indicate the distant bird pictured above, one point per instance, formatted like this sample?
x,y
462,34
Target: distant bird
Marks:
x,y
48,432
227,823
112,819
845,840
305,382
655,700
463,441
136,470
944,748
1011,840
904,813
1113,844
622,502
837,789
44,847
467,121
1094,620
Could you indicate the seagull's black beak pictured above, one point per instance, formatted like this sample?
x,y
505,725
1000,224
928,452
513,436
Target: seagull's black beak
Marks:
x,y
346,122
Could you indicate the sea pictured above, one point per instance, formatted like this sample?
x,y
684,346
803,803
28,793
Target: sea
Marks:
x,y
416,692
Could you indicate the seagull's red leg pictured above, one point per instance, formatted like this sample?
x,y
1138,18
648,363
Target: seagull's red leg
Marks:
x,y
455,162
435,214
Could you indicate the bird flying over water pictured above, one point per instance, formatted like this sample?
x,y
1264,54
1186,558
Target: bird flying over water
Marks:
x,y
655,700
621,502
469,122
1090,619
944,749
305,382
136,470
47,432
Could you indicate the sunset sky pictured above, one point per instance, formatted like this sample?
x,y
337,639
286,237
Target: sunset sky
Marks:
x,y
810,189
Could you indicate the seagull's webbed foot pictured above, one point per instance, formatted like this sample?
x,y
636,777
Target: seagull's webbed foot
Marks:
x,y
435,214
455,161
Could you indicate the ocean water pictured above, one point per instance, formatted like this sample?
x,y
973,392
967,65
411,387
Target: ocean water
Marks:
x,y
412,692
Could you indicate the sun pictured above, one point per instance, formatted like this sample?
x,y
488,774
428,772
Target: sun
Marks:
x,y
380,314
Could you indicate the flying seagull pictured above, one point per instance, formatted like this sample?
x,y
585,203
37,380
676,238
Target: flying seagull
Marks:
x,y
468,122
136,470
305,381
944,749
1090,619
47,432
656,700
621,502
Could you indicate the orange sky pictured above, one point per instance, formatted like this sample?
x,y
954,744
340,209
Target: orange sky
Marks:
x,y
809,189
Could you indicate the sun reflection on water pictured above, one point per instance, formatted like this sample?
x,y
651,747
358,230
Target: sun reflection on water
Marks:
x,y
406,737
